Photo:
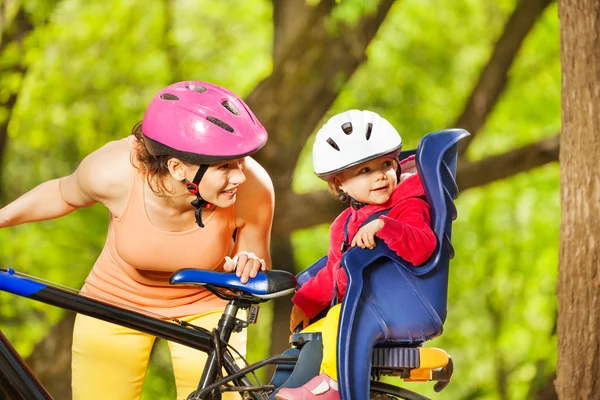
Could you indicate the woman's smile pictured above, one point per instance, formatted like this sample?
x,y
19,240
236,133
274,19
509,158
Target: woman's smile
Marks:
x,y
230,192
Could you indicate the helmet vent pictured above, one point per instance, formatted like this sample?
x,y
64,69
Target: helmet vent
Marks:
x,y
369,129
197,88
221,124
168,96
229,107
333,144
347,128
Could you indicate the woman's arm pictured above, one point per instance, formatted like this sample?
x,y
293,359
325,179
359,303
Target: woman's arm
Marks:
x,y
45,201
254,210
96,179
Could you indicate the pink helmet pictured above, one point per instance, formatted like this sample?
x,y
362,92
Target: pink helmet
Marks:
x,y
201,123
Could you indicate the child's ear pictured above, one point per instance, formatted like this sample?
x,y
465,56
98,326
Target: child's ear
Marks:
x,y
337,182
335,186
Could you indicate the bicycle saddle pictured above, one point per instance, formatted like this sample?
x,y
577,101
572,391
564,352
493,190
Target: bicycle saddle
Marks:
x,y
266,285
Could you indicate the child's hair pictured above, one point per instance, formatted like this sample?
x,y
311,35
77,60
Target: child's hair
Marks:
x,y
334,190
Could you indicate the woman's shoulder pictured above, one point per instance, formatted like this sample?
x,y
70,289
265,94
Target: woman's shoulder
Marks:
x,y
256,196
258,176
111,151
108,169
258,183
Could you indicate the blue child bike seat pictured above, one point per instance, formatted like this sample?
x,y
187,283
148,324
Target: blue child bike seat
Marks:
x,y
389,302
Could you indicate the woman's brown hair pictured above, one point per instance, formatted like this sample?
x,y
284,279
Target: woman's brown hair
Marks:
x,y
154,168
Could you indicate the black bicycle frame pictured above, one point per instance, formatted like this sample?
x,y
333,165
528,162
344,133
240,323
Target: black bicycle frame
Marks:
x,y
17,380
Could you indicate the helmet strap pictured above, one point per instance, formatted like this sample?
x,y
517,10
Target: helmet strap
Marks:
x,y
356,204
199,203
343,196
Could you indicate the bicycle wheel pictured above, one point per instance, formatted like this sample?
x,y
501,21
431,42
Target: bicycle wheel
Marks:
x,y
385,391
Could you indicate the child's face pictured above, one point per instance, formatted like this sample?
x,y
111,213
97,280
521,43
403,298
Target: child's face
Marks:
x,y
371,182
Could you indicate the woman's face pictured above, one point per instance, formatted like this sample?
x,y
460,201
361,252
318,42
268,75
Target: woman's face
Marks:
x,y
371,182
220,183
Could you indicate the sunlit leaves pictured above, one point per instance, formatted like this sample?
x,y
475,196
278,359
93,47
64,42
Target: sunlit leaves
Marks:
x,y
96,64
420,71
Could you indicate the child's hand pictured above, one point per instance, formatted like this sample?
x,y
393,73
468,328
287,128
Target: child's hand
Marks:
x,y
298,317
365,237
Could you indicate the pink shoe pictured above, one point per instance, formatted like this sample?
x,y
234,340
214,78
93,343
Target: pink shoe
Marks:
x,y
321,387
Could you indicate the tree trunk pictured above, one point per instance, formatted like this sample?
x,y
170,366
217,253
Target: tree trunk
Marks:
x,y
548,391
51,358
310,67
282,254
578,287
14,35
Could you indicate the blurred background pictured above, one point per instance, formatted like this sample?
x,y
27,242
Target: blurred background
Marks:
x,y
75,74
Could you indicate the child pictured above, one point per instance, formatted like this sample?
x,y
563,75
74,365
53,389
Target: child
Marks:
x,y
356,152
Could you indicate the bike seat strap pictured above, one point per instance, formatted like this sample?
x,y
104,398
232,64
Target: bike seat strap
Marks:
x,y
265,285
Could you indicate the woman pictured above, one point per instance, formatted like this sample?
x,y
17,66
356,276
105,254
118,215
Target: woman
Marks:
x,y
182,192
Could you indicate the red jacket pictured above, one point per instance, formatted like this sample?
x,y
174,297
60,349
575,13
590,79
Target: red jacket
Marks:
x,y
406,230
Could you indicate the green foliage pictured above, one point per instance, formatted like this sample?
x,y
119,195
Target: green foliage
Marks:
x,y
502,308
159,382
96,64
92,71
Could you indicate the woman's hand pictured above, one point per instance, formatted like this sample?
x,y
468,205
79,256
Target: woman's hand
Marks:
x,y
298,317
245,264
365,237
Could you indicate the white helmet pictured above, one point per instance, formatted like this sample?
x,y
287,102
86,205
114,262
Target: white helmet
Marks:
x,y
351,138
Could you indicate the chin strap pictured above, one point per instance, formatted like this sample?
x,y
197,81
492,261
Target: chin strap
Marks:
x,y
357,205
199,203
353,203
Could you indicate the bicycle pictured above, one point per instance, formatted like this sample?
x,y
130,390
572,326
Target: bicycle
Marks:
x,y
391,341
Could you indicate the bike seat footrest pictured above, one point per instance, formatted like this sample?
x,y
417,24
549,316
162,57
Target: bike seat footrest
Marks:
x,y
396,357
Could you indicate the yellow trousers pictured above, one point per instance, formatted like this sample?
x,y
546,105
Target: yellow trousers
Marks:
x,y
328,326
109,361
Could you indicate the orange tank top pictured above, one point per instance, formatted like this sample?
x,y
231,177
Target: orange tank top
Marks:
x,y
138,259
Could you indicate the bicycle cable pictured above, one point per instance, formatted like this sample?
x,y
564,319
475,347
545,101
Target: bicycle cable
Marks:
x,y
228,346
132,308
92,296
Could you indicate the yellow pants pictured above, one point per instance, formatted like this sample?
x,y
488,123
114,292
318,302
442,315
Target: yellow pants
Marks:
x,y
328,326
109,361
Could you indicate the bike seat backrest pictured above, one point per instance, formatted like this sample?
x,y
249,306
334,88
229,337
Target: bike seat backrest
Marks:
x,y
311,271
436,164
